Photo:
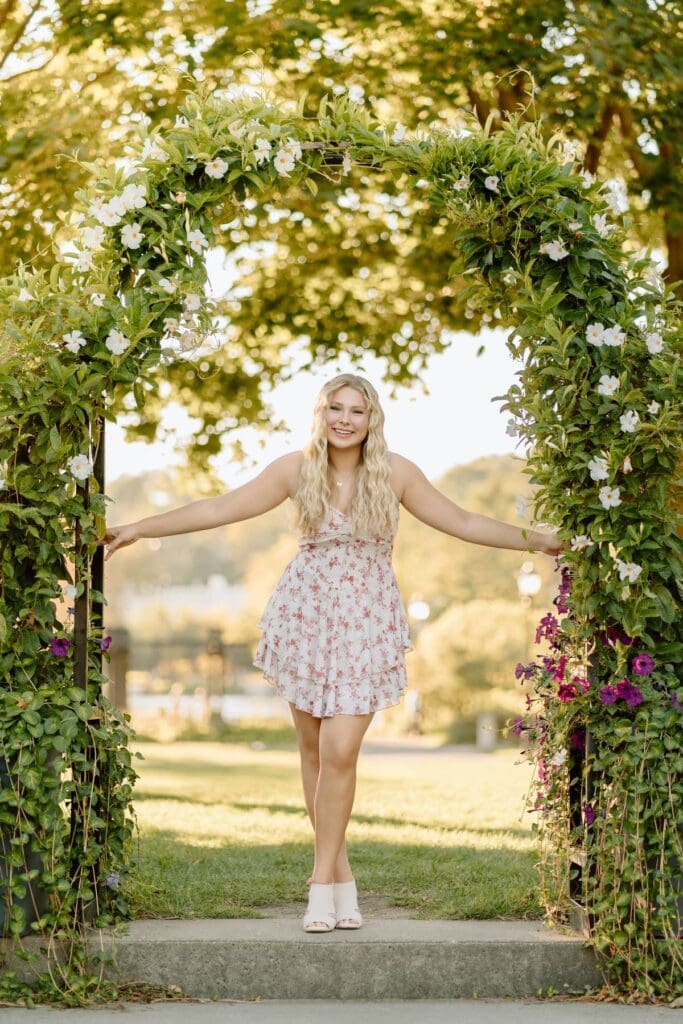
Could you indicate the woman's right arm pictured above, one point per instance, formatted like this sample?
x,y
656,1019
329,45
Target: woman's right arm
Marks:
x,y
270,488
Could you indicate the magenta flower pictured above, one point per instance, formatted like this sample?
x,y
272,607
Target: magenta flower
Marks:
x,y
104,643
642,664
676,702
59,646
558,674
588,814
567,692
547,628
613,634
525,671
608,695
517,726
628,692
583,683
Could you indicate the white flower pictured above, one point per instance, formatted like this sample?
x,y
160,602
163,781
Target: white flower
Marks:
x,y
613,336
93,237
598,468
284,162
168,286
609,496
84,261
131,235
119,206
216,168
346,163
398,133
608,385
588,178
236,128
554,249
188,340
511,429
261,150
74,341
601,225
293,147
192,302
181,121
356,93
153,151
626,465
574,225
80,466
116,342
24,295
654,342
653,407
197,240
580,541
107,215
509,277
97,299
3,481
594,333
628,570
69,591
133,197
558,759
491,182
461,184
171,324
629,421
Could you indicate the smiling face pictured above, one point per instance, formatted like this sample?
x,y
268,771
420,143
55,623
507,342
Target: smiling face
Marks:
x,y
347,418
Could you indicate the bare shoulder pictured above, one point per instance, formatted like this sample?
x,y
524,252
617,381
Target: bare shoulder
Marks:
x,y
291,467
402,471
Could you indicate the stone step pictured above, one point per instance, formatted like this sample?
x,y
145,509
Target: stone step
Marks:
x,y
274,958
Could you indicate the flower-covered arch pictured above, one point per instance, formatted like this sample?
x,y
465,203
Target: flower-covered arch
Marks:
x,y
542,247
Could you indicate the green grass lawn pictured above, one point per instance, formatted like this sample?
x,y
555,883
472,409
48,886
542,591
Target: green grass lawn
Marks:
x,y
224,831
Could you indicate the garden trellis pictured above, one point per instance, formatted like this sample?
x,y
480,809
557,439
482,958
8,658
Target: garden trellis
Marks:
x,y
535,240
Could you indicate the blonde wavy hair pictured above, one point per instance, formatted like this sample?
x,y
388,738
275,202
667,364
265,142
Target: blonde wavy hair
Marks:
x,y
374,507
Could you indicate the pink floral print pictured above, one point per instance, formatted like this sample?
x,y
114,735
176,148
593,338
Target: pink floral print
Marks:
x,y
335,631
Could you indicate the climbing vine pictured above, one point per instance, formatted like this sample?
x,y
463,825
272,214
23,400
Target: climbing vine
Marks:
x,y
539,247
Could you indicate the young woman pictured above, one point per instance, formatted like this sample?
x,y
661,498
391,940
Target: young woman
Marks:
x,y
334,630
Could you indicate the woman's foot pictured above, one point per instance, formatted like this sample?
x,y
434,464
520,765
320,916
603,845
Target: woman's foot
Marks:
x,y
346,905
320,914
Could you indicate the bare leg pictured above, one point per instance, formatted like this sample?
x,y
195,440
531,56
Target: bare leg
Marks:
x,y
308,735
340,740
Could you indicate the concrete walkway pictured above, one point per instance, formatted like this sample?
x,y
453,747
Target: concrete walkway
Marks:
x,y
445,1011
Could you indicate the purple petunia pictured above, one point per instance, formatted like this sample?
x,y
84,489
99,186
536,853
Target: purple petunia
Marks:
x,y
630,693
517,726
566,692
675,701
113,880
524,671
547,628
608,695
642,664
588,814
104,643
59,646
613,634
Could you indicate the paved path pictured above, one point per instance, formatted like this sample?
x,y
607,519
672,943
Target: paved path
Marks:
x,y
441,1011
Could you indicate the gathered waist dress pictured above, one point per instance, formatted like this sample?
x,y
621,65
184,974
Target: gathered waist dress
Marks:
x,y
334,631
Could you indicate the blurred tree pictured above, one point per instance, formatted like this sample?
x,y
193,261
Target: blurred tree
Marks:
x,y
354,269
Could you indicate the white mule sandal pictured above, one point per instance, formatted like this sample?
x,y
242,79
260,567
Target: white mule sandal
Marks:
x,y
320,914
346,905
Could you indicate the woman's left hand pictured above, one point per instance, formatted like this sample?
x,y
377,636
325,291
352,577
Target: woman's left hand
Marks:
x,y
552,545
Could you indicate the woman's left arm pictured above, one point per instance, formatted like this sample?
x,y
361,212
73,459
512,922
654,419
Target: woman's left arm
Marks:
x,y
432,507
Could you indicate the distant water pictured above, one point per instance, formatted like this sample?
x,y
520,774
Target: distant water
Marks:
x,y
231,707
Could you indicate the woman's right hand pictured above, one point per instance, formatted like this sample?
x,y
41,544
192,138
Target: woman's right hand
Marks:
x,y
117,537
